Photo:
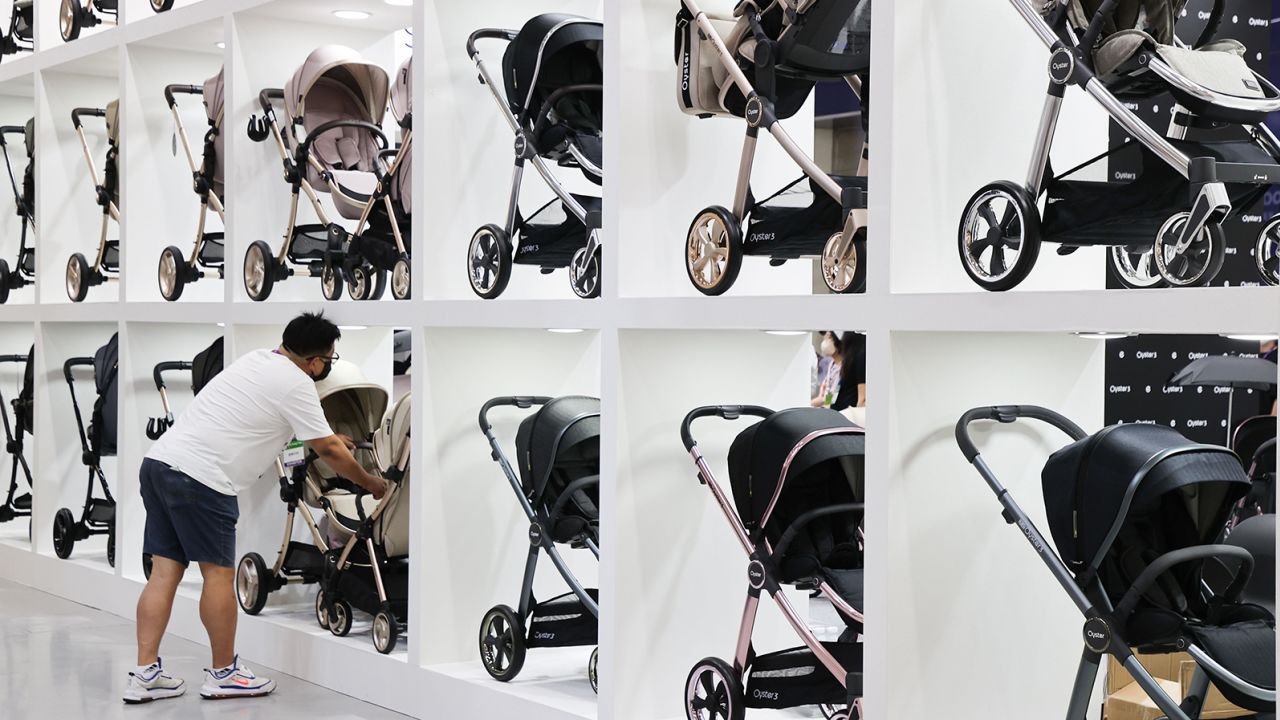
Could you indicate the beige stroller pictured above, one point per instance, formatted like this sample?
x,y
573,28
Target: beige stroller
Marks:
x,y
337,100
106,263
207,176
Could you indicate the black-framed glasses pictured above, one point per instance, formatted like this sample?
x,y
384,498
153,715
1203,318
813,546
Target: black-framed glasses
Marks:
x,y
328,359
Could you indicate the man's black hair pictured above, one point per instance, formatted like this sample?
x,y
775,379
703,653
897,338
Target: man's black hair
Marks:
x,y
309,335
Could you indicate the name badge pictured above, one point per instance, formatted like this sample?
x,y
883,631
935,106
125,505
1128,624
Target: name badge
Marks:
x,y
295,454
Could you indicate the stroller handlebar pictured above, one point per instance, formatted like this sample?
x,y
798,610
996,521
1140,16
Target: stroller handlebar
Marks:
x,y
267,95
524,402
544,113
487,34
724,412
72,363
170,90
11,130
91,112
373,130
157,373
1169,560
1008,414
13,358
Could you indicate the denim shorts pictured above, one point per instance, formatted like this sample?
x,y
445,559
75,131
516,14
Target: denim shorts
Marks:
x,y
187,521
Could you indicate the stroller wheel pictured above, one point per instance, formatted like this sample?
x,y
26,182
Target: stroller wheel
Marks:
x,y
502,646
70,20
844,268
111,546
359,284
64,533
713,251
322,612
1266,254
331,282
1134,269
77,278
340,618
146,565
161,5
386,631
401,280
584,274
714,692
4,281
1198,263
252,586
591,671
489,261
170,273
1000,219
259,271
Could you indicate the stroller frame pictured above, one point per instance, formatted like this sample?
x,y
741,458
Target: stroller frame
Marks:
x,y
14,41
332,611
13,436
1071,63
843,256
157,426
80,274
175,271
74,17
262,270
98,517
18,276
1101,638
761,573
540,524
585,266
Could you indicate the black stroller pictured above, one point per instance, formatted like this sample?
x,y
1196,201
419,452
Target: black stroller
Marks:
x,y
1136,513
15,505
1254,442
553,74
76,15
24,271
22,25
797,481
558,452
762,71
99,515
203,367
80,274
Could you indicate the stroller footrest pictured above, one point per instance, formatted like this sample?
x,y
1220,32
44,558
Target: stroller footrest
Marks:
x,y
795,677
563,622
102,511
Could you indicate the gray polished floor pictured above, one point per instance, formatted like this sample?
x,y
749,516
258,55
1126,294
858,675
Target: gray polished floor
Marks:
x,y
59,659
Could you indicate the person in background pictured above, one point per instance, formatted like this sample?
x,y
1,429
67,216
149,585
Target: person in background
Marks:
x,y
852,390
828,370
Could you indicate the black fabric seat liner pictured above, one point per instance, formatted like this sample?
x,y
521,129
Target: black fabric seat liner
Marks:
x,y
1247,649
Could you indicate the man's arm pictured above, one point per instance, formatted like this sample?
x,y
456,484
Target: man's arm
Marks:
x,y
333,450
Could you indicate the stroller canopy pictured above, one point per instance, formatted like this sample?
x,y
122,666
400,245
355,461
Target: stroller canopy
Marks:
x,y
557,445
206,365
29,137
402,92
391,440
105,418
550,52
214,108
402,111
24,406
828,39
336,83
354,406
1127,475
113,122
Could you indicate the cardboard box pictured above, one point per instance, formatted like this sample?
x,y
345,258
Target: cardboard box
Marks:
x,y
1216,706
1161,667
1131,702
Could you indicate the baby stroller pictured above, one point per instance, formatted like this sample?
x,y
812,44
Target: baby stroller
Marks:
x,y
75,15
22,24
558,452
24,271
762,68
203,367
1214,160
99,515
80,275
338,100
160,6
1254,442
553,73
175,271
797,482
370,571
15,505
354,407
1135,512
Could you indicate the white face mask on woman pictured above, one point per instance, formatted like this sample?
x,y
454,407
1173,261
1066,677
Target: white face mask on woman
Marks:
x,y
828,347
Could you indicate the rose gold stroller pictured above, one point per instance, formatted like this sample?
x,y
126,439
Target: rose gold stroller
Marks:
x,y
106,263
207,255
338,101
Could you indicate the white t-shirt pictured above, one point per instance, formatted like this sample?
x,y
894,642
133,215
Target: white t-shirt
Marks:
x,y
234,429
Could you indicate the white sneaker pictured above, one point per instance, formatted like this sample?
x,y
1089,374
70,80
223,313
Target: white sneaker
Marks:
x,y
235,680
152,683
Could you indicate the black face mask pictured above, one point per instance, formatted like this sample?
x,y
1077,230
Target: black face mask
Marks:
x,y
328,368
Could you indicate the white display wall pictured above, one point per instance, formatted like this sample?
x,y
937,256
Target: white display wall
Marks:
x,y
954,114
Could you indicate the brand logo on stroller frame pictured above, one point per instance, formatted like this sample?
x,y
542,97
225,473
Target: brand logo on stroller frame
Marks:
x,y
764,694
755,574
1062,65
1097,634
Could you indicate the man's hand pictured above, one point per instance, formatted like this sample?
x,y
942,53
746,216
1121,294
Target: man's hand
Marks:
x,y
335,450
346,440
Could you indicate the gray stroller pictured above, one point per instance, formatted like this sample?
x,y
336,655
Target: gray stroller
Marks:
x,y
106,262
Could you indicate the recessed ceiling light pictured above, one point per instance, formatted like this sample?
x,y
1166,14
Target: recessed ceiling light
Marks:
x,y
351,14
1104,335
399,3
221,45
565,331
353,327
786,333
1251,338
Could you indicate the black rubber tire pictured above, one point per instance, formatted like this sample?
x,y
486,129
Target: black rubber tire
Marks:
x,y
407,272
111,546
331,283
596,270
1213,264
1114,269
4,281
179,273
593,675
1030,251
859,282
722,686
340,618
385,616
504,259
64,533
268,270
161,5
71,31
81,290
503,622
322,615
733,244
252,583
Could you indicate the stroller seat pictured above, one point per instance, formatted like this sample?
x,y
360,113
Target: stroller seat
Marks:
x,y
1219,66
1246,649
355,184
343,505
